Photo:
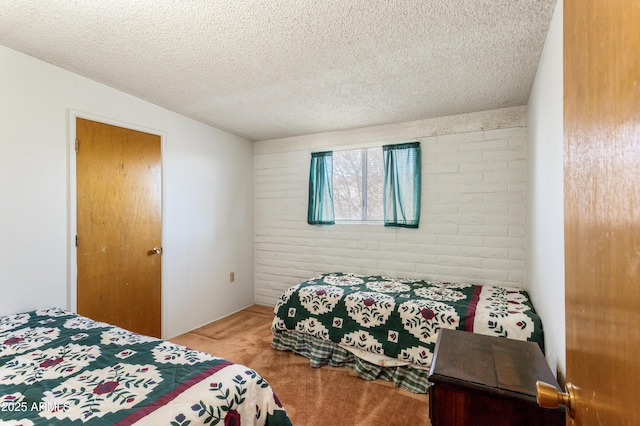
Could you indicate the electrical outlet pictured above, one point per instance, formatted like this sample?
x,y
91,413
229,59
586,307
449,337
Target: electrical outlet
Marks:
x,y
232,277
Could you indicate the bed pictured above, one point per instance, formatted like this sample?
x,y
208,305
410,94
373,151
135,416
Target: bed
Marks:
x,y
386,328
57,367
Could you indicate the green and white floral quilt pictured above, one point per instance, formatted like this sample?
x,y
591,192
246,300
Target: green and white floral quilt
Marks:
x,y
398,319
57,367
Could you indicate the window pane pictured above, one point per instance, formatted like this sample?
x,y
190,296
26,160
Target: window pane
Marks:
x,y
375,179
347,184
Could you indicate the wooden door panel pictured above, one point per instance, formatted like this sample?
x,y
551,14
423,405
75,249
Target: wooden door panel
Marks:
x,y
602,208
118,224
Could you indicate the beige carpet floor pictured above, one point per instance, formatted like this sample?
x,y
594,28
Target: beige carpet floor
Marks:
x,y
312,396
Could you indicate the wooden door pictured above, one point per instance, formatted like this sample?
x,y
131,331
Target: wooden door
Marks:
x,y
602,208
118,175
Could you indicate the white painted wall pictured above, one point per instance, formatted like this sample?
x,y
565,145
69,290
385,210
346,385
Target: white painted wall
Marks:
x,y
207,189
545,200
472,226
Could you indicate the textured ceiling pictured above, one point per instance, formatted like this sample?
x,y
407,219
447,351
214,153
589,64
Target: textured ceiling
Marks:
x,y
266,69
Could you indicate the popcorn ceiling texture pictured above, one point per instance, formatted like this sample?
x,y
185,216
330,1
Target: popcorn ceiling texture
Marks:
x,y
280,68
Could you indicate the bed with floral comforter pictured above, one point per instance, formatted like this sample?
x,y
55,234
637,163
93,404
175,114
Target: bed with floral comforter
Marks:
x,y
57,367
387,327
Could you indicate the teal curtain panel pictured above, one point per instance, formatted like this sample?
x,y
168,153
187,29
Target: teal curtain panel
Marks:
x,y
320,210
402,173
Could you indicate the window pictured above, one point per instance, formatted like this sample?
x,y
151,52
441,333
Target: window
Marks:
x,y
357,184
371,184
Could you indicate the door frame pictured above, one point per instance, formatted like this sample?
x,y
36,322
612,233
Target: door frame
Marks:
x,y
72,220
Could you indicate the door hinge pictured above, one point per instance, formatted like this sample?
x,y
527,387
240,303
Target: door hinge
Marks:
x,y
77,147
77,239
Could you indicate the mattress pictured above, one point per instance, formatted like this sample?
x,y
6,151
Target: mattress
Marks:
x,y
57,367
393,323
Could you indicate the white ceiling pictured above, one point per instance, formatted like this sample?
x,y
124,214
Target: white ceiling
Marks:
x,y
266,69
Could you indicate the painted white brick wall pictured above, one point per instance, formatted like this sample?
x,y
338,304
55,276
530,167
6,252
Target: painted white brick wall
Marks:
x,y
473,217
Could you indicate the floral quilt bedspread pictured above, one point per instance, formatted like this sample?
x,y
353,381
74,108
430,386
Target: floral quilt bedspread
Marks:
x,y
399,318
57,367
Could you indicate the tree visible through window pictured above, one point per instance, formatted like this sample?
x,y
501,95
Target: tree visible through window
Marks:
x,y
357,184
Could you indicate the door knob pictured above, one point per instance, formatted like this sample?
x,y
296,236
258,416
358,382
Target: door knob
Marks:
x,y
548,396
156,250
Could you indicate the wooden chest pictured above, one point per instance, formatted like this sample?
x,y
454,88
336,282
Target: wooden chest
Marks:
x,y
482,380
